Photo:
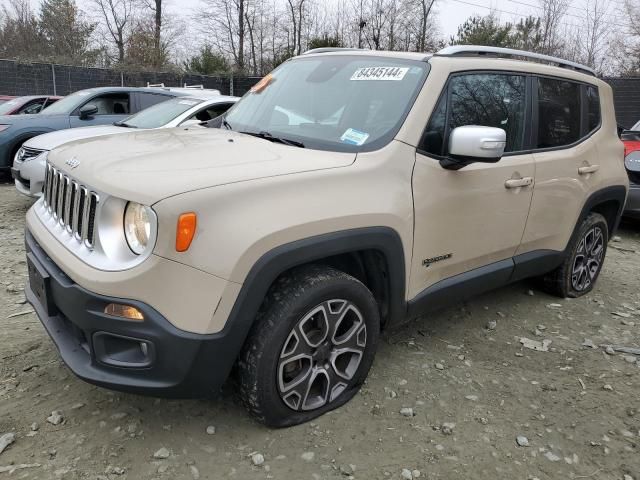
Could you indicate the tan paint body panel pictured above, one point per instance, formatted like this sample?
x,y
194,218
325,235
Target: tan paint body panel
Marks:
x,y
150,165
560,191
185,296
252,196
238,223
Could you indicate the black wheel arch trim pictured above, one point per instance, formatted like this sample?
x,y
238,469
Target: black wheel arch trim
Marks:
x,y
285,257
616,193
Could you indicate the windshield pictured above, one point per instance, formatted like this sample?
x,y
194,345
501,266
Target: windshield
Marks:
x,y
9,106
67,104
341,103
161,113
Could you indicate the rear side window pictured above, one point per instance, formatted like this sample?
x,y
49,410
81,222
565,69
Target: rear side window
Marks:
x,y
593,108
149,99
487,99
558,113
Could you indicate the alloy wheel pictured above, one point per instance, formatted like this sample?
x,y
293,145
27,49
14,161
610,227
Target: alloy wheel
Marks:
x,y
321,355
588,259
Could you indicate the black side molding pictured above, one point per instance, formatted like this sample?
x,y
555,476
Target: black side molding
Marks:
x,y
461,287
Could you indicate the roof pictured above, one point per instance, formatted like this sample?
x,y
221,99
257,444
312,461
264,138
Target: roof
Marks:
x,y
418,56
26,98
467,52
132,89
212,98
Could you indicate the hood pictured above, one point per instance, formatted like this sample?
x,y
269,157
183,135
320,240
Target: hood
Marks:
x,y
149,165
49,141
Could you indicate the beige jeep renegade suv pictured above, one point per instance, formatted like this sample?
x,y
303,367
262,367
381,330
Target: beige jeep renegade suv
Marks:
x,y
347,192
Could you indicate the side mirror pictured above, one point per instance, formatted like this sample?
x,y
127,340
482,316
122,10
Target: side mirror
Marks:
x,y
88,110
193,122
474,143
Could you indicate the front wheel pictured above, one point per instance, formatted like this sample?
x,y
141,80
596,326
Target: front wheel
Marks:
x,y
583,263
311,348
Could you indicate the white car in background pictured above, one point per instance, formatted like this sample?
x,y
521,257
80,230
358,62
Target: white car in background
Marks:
x,y
178,112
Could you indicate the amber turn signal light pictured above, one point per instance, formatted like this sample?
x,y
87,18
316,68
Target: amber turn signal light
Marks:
x,y
186,230
124,311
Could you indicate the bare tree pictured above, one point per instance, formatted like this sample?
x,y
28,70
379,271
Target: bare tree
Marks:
x,y
553,11
118,17
223,21
155,6
425,7
296,9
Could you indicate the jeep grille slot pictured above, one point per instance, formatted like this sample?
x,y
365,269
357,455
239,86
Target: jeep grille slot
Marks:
x,y
71,204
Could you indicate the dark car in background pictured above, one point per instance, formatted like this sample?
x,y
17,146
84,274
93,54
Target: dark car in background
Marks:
x,y
95,106
631,140
27,105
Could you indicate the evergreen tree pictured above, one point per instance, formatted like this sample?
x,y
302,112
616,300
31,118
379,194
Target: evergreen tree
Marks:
x,y
66,35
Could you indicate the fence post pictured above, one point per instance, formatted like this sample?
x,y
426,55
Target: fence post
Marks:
x,y
53,77
231,84
121,79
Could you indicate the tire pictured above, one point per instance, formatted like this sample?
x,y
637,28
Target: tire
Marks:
x,y
311,346
583,263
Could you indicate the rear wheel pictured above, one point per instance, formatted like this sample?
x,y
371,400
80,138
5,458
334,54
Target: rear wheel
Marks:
x,y
581,268
311,348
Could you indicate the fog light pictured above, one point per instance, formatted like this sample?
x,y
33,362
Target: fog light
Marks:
x,y
124,311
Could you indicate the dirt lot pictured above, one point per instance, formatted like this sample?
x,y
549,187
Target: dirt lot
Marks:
x,y
472,386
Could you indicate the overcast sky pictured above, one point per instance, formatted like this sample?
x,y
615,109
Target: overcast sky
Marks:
x,y
452,13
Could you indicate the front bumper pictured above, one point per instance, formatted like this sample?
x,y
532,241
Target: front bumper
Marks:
x,y
107,351
632,207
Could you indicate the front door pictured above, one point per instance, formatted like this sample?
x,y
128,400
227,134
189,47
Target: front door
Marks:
x,y
475,216
112,107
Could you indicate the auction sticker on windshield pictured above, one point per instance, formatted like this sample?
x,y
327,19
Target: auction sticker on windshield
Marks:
x,y
380,73
354,137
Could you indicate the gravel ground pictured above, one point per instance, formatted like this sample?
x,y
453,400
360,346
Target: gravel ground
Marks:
x,y
455,395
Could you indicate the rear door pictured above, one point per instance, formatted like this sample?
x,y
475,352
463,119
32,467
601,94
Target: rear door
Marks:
x,y
565,115
472,217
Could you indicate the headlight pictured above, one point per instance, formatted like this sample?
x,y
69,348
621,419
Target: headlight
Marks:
x,y
137,227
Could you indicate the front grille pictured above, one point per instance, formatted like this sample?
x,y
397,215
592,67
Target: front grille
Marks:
x,y
71,204
26,153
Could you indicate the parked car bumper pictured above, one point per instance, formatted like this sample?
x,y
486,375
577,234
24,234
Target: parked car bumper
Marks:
x,y
151,356
29,175
632,207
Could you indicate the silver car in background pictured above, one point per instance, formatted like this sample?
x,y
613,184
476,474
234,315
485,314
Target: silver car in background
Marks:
x,y
29,162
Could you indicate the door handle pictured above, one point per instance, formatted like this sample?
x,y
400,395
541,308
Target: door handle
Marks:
x,y
518,182
588,169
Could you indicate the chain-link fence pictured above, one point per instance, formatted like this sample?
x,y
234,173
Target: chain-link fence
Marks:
x,y
43,78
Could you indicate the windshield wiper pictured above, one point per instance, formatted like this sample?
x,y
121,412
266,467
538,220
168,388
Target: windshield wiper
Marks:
x,y
226,124
124,124
267,136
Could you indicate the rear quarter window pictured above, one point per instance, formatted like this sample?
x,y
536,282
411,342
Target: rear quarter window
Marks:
x,y
558,113
593,108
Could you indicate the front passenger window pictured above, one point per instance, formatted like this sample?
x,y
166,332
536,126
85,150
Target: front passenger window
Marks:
x,y
112,104
486,99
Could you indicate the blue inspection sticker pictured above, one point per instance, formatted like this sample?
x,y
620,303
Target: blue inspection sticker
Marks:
x,y
354,137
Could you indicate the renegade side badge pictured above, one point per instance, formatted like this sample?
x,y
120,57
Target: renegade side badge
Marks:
x,y
428,261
